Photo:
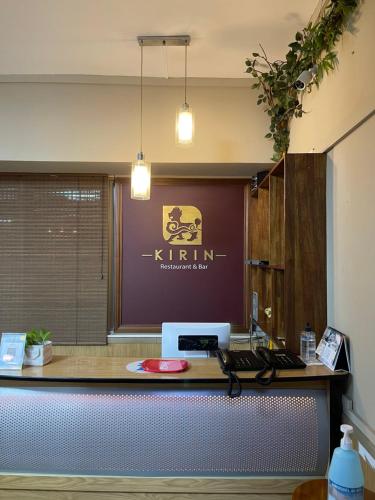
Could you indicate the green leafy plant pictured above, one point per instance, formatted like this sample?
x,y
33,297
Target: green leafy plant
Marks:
x,y
37,337
313,48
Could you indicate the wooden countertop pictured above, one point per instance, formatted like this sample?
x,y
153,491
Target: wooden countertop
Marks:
x,y
113,369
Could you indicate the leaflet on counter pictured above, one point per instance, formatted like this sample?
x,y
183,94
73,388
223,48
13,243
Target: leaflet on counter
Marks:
x,y
333,350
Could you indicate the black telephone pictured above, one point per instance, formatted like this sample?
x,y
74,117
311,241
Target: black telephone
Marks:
x,y
246,360
260,360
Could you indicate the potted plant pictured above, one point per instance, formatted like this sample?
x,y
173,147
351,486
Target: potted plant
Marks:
x,y
38,348
311,54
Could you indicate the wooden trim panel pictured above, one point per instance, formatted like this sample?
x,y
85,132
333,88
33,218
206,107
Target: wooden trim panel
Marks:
x,y
77,495
242,486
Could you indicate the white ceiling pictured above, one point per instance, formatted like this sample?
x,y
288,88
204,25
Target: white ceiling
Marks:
x,y
98,37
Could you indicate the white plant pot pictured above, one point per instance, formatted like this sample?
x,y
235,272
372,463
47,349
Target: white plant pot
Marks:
x,y
38,355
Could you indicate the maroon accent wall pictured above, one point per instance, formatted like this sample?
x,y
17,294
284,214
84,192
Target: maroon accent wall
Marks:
x,y
151,295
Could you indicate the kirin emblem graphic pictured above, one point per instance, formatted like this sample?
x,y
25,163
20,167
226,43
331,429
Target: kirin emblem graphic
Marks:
x,y
182,225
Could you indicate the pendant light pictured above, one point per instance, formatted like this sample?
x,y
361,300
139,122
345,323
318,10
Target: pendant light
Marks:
x,y
184,117
141,171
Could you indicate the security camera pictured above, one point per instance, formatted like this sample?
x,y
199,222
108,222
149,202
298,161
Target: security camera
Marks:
x,y
305,78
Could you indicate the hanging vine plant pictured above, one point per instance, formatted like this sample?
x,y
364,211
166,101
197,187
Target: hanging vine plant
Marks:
x,y
310,56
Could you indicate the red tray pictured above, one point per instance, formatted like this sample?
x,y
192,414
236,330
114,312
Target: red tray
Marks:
x,y
164,365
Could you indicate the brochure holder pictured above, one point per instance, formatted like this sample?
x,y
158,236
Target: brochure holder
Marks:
x,y
333,350
12,351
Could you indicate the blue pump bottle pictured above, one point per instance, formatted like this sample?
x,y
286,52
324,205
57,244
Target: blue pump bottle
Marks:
x,y
345,476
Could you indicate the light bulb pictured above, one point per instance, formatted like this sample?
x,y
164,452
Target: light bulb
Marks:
x,y
140,179
184,125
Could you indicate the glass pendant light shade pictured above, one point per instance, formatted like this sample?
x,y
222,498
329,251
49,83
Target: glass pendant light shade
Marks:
x,y
184,117
141,171
184,125
140,179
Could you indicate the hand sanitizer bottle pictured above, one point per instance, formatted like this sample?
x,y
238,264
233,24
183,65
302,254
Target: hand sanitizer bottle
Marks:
x,y
345,476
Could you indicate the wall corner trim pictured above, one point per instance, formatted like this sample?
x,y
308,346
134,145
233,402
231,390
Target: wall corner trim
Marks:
x,y
362,426
350,131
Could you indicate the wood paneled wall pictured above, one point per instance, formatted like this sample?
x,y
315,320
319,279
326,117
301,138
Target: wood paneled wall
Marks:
x,y
129,349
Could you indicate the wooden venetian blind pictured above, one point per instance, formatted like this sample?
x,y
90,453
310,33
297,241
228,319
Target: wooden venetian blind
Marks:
x,y
54,256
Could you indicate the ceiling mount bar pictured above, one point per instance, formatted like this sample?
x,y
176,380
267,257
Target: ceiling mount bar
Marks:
x,y
155,41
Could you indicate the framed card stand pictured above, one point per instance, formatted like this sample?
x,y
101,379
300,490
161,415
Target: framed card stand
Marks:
x,y
333,350
12,351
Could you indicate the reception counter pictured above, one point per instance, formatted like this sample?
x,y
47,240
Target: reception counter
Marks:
x,y
91,416
109,369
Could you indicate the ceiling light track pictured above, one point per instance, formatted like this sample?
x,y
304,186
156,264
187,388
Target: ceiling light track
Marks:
x,y
159,41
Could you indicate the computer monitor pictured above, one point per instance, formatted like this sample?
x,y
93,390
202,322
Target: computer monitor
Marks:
x,y
193,340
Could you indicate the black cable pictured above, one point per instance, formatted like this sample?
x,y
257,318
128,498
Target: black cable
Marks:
x,y
268,380
185,69
233,379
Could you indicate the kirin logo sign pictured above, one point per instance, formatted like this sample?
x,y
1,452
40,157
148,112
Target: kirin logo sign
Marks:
x,y
182,225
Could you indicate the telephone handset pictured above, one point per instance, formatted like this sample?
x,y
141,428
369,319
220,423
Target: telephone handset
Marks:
x,y
266,354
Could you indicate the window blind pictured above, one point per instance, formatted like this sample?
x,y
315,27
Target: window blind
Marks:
x,y
54,256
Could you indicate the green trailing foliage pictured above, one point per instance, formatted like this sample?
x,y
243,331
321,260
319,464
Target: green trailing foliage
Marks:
x,y
37,337
313,47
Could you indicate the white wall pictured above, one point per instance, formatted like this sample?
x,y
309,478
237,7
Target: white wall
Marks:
x,y
351,259
344,99
100,123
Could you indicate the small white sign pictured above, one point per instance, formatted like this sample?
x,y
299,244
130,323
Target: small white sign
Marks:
x,y
12,351
333,350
